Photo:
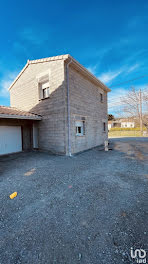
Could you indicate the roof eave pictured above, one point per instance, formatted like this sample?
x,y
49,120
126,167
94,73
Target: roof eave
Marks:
x,y
21,117
19,75
62,57
103,86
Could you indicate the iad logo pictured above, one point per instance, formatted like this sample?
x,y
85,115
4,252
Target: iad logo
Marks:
x,y
139,255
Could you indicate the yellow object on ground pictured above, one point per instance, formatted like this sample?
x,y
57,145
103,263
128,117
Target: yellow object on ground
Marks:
x,y
13,195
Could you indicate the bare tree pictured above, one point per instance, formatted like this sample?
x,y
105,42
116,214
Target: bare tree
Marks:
x,y
135,105
145,114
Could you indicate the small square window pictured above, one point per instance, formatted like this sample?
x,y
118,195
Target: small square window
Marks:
x,y
80,128
44,90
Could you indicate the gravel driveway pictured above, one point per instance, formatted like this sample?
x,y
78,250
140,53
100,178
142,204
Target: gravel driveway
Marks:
x,y
91,208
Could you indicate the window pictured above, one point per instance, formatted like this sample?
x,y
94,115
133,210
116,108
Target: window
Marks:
x,y
101,97
43,84
80,128
44,90
104,127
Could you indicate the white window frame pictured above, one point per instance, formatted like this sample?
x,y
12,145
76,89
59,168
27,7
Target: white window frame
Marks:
x,y
80,124
45,90
43,84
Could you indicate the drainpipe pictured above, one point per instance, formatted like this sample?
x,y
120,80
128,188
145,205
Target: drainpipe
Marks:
x,y
68,108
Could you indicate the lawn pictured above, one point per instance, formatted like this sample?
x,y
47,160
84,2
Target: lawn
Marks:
x,y
125,134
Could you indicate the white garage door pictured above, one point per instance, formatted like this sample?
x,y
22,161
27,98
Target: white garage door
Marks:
x,y
10,139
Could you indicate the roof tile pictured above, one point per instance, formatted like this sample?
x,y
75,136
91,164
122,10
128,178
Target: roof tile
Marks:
x,y
11,111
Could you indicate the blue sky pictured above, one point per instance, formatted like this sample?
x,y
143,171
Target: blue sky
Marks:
x,y
108,37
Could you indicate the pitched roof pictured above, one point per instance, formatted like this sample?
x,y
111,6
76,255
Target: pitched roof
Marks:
x,y
110,121
128,119
62,57
11,112
113,121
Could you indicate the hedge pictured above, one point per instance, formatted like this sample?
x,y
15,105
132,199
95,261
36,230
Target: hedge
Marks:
x,y
126,129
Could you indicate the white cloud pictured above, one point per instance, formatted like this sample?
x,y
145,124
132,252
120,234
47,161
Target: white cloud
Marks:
x,y
114,100
109,76
132,68
5,84
92,69
115,104
115,95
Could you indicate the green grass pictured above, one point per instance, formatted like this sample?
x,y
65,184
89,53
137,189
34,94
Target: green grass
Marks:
x,y
124,134
127,129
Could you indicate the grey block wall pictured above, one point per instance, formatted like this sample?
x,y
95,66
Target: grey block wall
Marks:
x,y
24,95
85,102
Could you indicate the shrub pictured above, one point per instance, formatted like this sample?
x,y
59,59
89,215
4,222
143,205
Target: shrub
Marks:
x,y
126,129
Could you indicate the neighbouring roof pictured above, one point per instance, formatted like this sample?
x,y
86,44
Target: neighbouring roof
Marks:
x,y
62,57
113,121
11,112
127,120
110,121
121,120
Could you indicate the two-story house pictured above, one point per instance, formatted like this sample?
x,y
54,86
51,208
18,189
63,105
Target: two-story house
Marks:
x,y
56,105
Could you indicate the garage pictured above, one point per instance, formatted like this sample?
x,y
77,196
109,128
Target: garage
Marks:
x,y
18,130
10,139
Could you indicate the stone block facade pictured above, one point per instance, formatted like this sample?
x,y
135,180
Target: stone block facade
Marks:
x,y
84,98
85,104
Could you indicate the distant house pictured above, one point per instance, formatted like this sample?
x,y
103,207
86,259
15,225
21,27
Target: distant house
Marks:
x,y
56,105
109,125
113,123
123,123
127,123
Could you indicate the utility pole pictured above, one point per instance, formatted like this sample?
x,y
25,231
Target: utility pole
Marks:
x,y
140,102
